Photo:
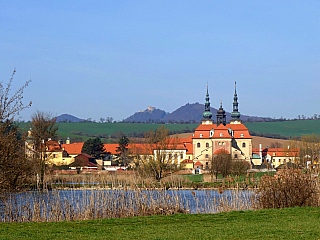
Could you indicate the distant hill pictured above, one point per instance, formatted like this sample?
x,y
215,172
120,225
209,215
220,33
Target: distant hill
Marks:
x,y
63,118
188,112
148,115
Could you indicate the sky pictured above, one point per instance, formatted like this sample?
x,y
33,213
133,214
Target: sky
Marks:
x,y
94,59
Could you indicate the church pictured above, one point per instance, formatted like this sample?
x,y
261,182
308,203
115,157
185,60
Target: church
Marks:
x,y
212,138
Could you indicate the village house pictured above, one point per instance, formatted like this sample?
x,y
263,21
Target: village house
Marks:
x,y
195,152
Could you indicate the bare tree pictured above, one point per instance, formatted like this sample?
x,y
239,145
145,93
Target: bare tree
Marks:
x,y
43,128
15,169
220,163
239,167
10,106
276,144
157,157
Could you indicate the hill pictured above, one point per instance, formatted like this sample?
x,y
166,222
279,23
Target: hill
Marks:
x,y
68,118
187,113
151,114
194,112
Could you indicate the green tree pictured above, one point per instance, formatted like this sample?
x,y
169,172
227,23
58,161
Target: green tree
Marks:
x,y
123,151
43,128
94,147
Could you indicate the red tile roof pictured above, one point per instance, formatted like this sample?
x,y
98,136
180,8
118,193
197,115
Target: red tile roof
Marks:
x,y
221,150
53,146
73,148
277,152
187,161
198,163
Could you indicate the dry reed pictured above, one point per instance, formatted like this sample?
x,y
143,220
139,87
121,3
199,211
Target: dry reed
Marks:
x,y
289,188
133,196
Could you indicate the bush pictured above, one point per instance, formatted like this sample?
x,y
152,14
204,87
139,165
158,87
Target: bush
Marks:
x,y
289,188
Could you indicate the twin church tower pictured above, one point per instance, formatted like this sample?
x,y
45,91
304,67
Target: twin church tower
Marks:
x,y
221,114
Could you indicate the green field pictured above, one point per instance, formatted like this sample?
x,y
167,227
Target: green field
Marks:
x,y
66,129
287,128
291,223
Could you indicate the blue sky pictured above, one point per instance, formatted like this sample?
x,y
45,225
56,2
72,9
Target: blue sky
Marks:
x,y
97,59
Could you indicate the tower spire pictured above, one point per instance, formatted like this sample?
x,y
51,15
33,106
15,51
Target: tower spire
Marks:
x,y
207,115
221,115
235,115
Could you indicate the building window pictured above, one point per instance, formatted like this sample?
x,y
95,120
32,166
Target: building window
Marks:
x,y
189,157
236,156
221,134
175,156
53,155
207,155
170,155
241,135
274,154
201,135
279,160
181,156
207,145
243,144
207,163
198,145
223,143
211,132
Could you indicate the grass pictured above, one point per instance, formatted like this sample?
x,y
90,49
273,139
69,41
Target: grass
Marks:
x,y
65,129
194,177
290,223
287,128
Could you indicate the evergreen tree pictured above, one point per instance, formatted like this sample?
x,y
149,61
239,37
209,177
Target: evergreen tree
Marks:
x,y
94,147
123,151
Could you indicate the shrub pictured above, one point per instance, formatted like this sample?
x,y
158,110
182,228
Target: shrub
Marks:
x,y
289,188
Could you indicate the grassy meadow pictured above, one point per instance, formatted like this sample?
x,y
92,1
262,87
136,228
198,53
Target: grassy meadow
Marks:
x,y
287,128
289,223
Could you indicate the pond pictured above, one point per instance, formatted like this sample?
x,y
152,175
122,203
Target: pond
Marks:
x,y
61,205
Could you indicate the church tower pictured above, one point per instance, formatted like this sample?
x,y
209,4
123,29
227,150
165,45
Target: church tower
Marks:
x,y
221,116
235,115
207,115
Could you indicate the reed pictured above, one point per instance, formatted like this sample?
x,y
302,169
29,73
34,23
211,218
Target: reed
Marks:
x,y
289,188
132,196
73,205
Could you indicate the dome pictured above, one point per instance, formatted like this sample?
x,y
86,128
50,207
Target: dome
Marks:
x,y
207,115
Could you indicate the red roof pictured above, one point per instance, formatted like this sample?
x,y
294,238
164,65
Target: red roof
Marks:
x,y
189,147
198,163
221,150
73,148
239,131
277,152
85,154
53,146
187,161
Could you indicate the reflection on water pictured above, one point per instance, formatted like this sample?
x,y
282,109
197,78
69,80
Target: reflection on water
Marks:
x,y
90,204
